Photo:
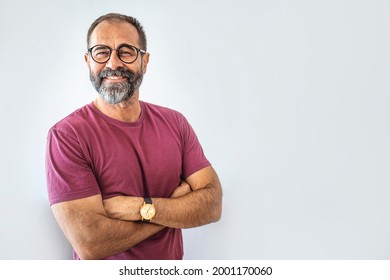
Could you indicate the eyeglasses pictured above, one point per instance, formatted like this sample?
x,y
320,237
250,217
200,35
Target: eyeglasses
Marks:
x,y
126,53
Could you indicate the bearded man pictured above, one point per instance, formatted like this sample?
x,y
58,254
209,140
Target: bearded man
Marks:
x,y
125,176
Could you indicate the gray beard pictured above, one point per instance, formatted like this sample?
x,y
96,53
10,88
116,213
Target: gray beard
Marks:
x,y
114,93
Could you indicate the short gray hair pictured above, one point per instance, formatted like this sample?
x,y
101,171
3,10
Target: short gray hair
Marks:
x,y
120,18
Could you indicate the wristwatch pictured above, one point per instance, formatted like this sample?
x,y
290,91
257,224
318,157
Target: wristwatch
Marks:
x,y
147,210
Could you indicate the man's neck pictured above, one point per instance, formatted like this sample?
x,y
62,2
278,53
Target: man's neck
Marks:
x,y
127,111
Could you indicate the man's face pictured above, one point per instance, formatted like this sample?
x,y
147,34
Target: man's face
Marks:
x,y
115,80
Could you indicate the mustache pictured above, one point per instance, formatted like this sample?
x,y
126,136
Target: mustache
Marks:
x,y
119,72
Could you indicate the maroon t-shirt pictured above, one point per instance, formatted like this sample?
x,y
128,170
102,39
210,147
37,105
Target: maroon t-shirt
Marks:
x,y
89,153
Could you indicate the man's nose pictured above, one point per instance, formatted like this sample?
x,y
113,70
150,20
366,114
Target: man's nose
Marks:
x,y
114,62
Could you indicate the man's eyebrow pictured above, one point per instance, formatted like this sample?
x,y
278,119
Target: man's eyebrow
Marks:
x,y
124,45
99,47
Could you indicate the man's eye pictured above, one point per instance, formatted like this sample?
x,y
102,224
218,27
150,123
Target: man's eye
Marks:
x,y
102,53
126,53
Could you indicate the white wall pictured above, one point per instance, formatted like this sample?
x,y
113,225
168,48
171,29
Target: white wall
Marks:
x,y
290,100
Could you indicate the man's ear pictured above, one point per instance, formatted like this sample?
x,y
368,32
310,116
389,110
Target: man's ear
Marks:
x,y
86,58
145,61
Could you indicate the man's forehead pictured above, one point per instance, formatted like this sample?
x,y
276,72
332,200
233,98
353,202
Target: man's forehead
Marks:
x,y
109,30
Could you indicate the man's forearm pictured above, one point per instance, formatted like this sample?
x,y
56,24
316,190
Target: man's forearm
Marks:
x,y
201,206
112,237
194,203
195,208
92,234
191,210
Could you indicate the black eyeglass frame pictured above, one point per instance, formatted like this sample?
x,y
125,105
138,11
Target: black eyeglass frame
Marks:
x,y
117,52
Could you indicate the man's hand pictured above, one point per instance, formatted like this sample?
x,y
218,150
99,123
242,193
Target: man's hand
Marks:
x,y
183,189
123,207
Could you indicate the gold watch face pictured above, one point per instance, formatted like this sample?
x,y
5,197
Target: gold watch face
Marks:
x,y
147,211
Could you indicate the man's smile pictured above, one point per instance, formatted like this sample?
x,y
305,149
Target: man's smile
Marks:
x,y
115,78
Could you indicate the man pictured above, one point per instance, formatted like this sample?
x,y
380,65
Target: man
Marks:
x,y
125,176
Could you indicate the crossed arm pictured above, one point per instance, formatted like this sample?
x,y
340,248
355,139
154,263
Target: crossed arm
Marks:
x,y
98,229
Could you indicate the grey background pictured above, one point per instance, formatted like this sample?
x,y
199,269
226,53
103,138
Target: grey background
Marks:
x,y
290,100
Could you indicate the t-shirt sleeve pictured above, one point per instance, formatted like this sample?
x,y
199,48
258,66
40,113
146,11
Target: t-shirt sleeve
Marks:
x,y
68,173
193,155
